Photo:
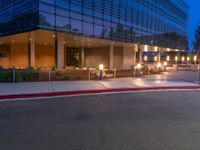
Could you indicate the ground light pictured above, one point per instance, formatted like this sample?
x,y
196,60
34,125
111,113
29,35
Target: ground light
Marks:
x,y
101,71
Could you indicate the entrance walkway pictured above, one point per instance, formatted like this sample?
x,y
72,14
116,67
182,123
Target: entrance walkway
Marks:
x,y
179,78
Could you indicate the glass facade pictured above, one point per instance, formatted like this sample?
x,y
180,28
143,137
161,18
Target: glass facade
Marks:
x,y
18,16
161,23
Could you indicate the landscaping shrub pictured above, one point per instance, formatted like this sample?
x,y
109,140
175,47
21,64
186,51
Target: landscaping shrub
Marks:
x,y
6,76
28,75
67,77
53,68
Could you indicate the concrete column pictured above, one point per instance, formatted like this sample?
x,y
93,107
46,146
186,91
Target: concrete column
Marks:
x,y
59,51
158,55
139,54
128,56
82,57
111,59
31,52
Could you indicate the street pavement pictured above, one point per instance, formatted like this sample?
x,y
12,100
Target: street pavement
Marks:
x,y
168,120
176,78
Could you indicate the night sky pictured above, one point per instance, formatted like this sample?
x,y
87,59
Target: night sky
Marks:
x,y
194,18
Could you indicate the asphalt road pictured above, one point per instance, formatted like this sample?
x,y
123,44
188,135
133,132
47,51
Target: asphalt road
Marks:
x,y
130,121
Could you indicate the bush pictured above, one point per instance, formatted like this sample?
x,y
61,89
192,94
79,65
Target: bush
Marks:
x,y
6,76
58,74
28,75
53,68
67,77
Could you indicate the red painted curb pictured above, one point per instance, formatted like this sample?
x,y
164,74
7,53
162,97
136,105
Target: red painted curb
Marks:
x,y
63,93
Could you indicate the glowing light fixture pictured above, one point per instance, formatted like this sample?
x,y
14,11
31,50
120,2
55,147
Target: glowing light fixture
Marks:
x,y
156,49
155,58
145,58
183,59
168,58
176,58
101,67
138,66
195,58
188,59
168,49
159,65
145,48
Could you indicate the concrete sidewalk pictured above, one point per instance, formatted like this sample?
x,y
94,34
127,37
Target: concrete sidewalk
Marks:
x,y
167,79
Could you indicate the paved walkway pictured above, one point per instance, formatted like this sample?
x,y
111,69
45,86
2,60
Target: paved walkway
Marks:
x,y
180,78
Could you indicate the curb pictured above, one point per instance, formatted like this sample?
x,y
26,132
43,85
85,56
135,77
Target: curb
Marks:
x,y
82,92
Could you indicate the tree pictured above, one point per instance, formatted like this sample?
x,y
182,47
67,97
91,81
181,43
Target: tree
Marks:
x,y
196,42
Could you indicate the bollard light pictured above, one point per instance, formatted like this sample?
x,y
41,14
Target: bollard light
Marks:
x,y
165,66
101,71
159,65
138,66
101,67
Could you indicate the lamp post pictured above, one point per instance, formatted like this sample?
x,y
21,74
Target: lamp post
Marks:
x,y
101,71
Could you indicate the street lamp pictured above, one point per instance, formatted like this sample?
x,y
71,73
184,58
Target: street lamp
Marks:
x,y
101,71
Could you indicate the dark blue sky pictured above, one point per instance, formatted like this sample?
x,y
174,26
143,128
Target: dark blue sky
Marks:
x,y
194,18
